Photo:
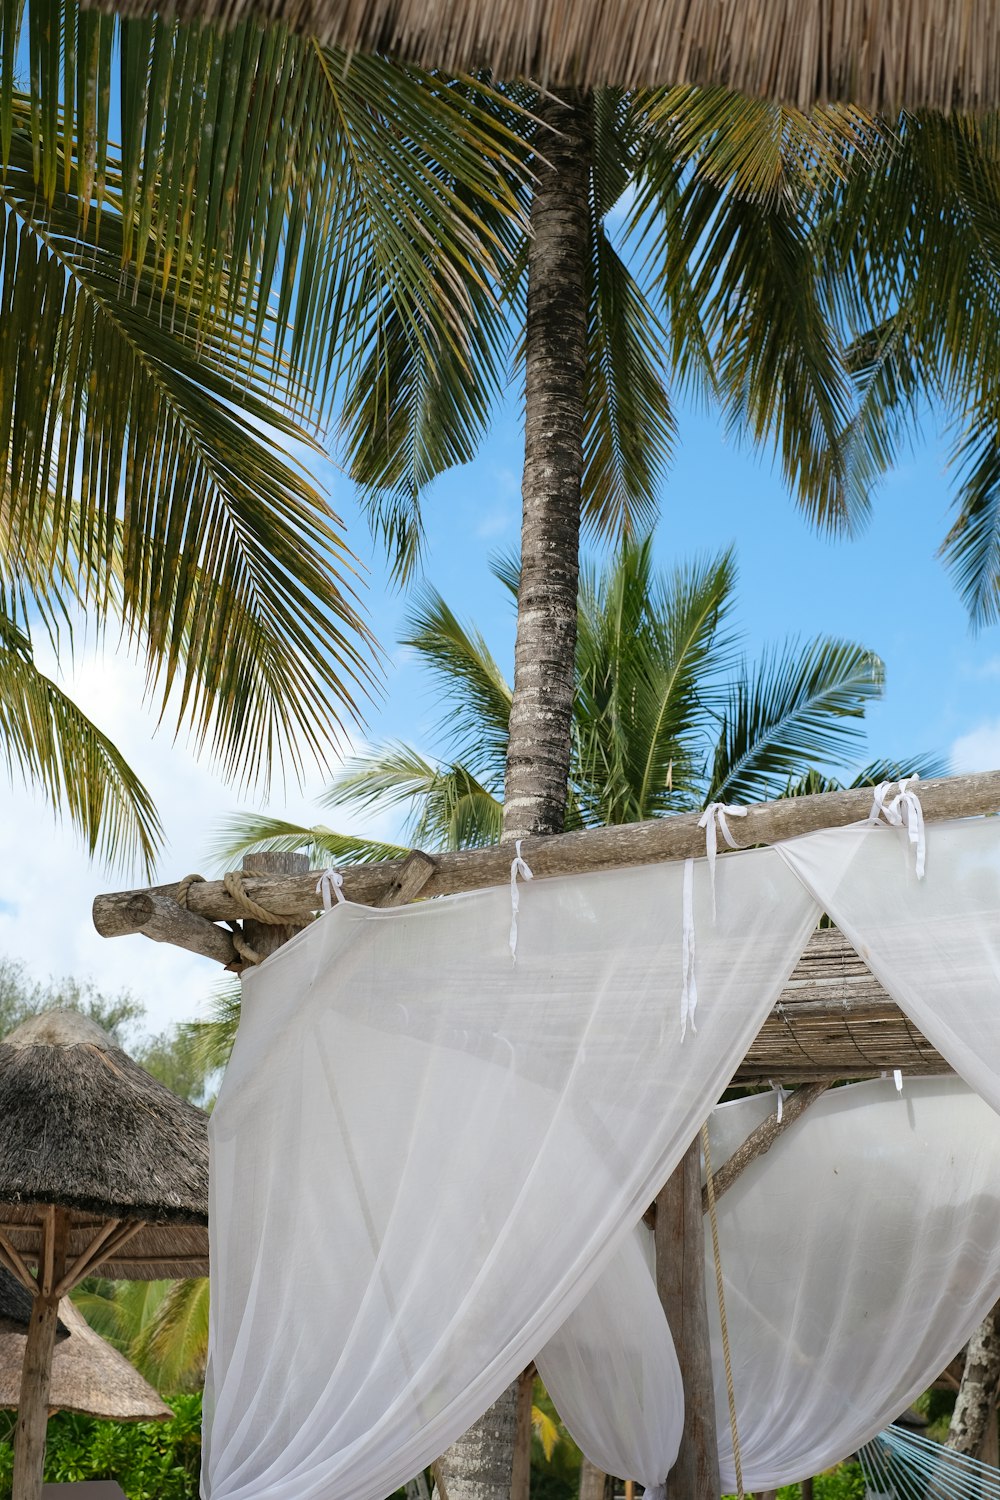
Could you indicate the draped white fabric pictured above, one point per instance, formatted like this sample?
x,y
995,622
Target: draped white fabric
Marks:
x,y
934,943
424,1154
858,1256
612,1370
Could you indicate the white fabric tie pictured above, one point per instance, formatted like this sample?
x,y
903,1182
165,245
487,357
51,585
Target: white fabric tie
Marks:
x,y
712,820
331,884
689,984
518,866
903,811
658,1492
781,1098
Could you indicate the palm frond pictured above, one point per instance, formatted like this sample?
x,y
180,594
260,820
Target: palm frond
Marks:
x,y
650,652
172,1347
814,782
468,681
211,1041
137,464
253,833
800,705
261,176
629,424
972,547
46,739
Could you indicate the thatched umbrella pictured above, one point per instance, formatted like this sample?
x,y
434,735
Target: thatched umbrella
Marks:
x,y
88,1375
102,1171
881,54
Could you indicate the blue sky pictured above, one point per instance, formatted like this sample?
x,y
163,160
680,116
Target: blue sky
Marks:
x,y
885,588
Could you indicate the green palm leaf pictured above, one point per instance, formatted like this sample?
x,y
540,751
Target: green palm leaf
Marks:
x,y
796,706
47,739
246,833
172,1346
222,560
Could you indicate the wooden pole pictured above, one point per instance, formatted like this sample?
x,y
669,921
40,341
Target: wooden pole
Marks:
x,y
680,1280
266,937
760,1141
36,1372
293,895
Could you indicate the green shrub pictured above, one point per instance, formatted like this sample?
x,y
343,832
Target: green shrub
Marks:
x,y
150,1460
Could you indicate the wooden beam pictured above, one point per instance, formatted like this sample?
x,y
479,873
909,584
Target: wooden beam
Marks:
x,y
36,1371
158,916
760,1141
294,896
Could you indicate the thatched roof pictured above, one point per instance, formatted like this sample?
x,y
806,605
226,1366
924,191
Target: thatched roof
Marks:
x,y
88,1376
881,54
15,1305
85,1128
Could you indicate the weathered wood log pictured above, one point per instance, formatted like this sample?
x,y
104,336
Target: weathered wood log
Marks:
x,y
680,1280
294,896
36,1371
760,1141
266,937
160,917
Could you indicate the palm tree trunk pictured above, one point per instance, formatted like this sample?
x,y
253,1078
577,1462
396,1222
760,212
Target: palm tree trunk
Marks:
x,y
538,748
976,1404
556,359
593,1484
478,1466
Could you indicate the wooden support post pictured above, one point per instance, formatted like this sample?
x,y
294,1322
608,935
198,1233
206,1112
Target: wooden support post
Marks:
x,y
680,1281
267,937
520,1478
36,1372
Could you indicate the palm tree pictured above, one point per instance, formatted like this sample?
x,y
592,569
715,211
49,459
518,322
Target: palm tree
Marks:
x,y
824,277
668,716
174,315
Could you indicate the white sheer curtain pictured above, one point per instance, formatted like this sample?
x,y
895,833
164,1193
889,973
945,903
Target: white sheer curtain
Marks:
x,y
612,1370
858,1255
424,1155
933,943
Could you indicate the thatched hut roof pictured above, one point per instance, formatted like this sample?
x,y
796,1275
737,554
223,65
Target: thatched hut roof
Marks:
x,y
88,1376
85,1128
15,1305
880,54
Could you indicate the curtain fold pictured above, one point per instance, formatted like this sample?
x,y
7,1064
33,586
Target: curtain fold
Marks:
x,y
933,943
424,1154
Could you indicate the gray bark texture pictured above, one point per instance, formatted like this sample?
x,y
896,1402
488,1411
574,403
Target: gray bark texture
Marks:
x,y
593,1484
479,1465
680,1281
976,1403
555,377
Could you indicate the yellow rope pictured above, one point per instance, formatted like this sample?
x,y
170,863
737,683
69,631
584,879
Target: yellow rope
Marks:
x,y
730,1392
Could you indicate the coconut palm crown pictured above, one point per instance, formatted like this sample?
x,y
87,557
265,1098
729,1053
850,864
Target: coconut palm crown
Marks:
x,y
668,716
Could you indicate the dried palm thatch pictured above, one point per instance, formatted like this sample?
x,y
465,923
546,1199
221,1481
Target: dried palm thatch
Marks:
x,y
85,1128
880,54
95,1156
88,1376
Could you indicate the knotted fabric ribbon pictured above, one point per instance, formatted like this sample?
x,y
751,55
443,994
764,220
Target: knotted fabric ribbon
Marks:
x,y
903,811
712,820
658,1492
518,866
331,884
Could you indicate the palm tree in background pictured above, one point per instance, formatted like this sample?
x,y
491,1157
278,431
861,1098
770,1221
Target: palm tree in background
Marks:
x,y
174,314
668,716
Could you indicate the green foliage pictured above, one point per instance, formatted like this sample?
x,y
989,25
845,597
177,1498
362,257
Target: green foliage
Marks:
x,y
150,1460
160,1326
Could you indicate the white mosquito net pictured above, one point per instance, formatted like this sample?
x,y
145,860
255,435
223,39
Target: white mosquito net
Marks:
x,y
858,1255
933,942
424,1154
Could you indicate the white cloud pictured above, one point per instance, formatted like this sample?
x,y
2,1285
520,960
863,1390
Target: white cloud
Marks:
x,y
47,882
979,750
